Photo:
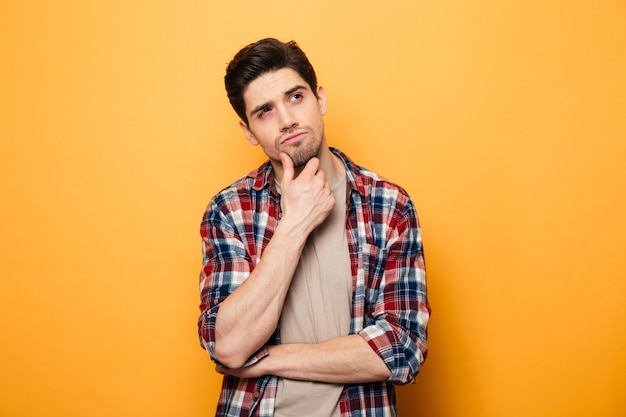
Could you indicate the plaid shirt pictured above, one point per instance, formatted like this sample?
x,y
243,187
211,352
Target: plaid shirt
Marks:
x,y
389,305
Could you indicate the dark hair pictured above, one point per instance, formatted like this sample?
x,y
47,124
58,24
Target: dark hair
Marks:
x,y
259,58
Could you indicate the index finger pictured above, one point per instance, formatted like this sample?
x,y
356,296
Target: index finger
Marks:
x,y
287,163
312,165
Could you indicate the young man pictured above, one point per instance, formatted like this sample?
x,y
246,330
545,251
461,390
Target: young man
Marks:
x,y
313,287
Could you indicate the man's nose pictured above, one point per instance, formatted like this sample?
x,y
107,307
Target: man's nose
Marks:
x,y
287,119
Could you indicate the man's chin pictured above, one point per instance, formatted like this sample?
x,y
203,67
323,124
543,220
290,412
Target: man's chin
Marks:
x,y
300,157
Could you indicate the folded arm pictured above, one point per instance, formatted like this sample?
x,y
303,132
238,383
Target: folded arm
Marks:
x,y
343,360
392,345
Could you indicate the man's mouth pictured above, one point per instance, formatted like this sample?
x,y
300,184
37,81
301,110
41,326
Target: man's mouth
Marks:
x,y
293,138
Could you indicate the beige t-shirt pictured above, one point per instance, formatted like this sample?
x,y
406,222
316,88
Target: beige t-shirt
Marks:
x,y
317,308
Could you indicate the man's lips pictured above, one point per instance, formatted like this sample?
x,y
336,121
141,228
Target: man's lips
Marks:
x,y
295,137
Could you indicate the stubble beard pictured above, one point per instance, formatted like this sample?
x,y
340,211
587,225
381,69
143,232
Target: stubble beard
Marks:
x,y
301,153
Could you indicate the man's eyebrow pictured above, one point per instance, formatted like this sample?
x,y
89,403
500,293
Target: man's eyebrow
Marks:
x,y
266,105
294,89
259,108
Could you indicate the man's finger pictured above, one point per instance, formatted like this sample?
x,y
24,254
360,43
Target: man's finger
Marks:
x,y
312,166
287,163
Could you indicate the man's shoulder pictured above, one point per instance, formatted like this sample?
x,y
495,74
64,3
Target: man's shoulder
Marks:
x,y
370,183
241,192
382,193
254,180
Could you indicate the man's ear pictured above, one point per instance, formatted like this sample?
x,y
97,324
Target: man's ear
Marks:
x,y
322,100
249,135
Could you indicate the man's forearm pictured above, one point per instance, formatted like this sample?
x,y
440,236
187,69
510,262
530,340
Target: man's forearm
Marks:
x,y
343,360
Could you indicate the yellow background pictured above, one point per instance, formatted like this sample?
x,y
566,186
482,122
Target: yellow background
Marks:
x,y
504,120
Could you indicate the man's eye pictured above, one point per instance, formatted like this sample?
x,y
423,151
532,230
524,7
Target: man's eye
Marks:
x,y
263,112
296,97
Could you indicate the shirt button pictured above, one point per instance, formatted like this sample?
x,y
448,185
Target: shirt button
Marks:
x,y
256,394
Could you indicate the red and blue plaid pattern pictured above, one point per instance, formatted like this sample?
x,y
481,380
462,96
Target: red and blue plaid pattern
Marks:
x,y
389,306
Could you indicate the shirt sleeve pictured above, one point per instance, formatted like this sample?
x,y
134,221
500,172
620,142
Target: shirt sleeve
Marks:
x,y
225,265
398,309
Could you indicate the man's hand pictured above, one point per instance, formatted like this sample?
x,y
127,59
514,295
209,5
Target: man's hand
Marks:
x,y
307,198
253,371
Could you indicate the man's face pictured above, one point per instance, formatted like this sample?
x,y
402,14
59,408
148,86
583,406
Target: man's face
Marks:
x,y
285,116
